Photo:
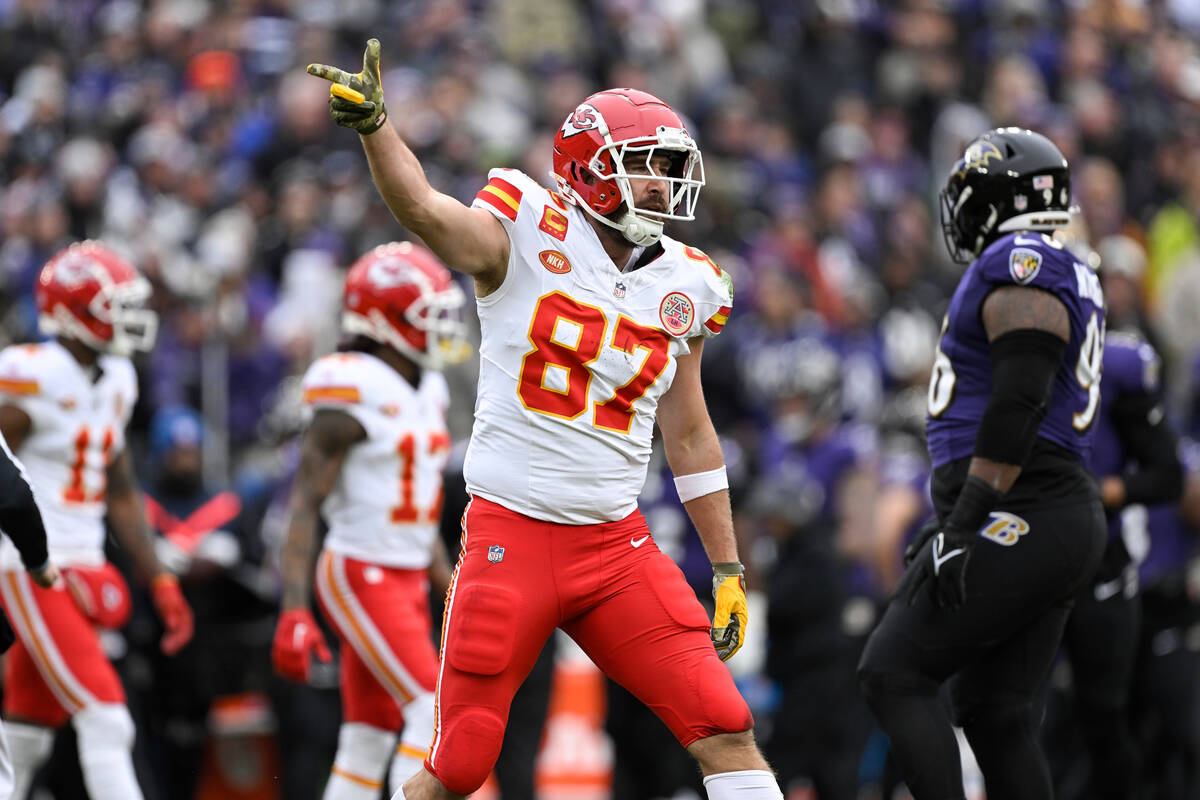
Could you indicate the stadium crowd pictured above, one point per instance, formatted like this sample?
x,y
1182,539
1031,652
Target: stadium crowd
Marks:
x,y
185,133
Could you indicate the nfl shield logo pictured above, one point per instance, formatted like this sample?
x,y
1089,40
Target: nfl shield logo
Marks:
x,y
619,290
495,554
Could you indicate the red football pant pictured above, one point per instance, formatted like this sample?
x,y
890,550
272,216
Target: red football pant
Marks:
x,y
611,590
381,615
57,665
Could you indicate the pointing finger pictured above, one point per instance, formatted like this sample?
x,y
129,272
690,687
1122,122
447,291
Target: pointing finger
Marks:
x,y
371,60
329,73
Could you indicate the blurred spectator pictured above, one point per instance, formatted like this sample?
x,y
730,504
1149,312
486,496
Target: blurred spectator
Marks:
x,y
187,134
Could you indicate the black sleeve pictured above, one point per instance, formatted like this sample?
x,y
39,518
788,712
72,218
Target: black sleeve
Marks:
x,y
19,514
1024,364
1148,438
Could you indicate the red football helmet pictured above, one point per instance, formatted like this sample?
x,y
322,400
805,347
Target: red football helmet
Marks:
x,y
400,295
589,160
89,293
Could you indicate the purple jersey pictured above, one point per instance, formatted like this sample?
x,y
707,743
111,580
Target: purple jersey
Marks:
x,y
1130,367
961,383
1168,542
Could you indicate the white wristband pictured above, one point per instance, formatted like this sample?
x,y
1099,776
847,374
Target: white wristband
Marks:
x,y
699,484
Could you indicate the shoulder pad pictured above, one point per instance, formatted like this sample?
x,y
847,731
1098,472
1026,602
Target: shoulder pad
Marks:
x,y
23,370
717,299
338,379
507,190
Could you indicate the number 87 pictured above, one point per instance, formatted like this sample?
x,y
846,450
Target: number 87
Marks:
x,y
616,413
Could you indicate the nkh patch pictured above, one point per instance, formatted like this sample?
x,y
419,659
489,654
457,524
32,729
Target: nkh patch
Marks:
x,y
676,312
1024,263
495,554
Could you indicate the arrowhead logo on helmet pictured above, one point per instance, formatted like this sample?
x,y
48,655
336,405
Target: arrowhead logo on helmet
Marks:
x,y
589,161
400,295
89,293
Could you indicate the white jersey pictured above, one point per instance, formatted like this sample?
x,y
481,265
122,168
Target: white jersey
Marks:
x,y
78,428
575,355
387,503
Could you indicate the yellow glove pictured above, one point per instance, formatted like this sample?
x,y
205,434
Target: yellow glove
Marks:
x,y
729,621
356,101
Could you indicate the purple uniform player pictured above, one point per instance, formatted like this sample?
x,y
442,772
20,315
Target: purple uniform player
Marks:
x,y
961,385
1133,457
1013,399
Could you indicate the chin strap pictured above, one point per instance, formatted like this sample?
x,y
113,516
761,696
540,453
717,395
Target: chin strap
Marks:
x,y
638,231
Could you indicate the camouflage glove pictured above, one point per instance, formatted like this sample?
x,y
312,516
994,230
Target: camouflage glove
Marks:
x,y
356,101
728,629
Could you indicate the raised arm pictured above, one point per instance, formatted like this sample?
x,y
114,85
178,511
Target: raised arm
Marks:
x,y
469,240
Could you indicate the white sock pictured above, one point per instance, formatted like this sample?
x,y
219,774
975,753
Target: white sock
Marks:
x,y
29,746
746,784
105,734
361,759
410,754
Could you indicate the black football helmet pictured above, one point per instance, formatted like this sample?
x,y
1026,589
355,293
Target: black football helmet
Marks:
x,y
1009,179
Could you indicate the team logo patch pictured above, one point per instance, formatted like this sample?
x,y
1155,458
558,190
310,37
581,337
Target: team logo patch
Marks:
x,y
1005,528
555,261
676,312
585,117
1020,202
554,223
619,291
1024,263
495,554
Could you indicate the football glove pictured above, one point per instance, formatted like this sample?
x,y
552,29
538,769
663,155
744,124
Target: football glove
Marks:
x,y
174,611
944,569
356,101
296,638
923,535
728,629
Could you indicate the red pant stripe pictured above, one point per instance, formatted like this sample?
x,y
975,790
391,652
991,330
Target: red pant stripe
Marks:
x,y
354,623
28,621
446,607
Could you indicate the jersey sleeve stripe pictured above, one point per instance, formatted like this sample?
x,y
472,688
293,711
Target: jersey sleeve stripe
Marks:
x,y
713,325
335,394
16,386
500,200
504,186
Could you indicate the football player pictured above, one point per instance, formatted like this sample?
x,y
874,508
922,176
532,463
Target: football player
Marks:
x,y
1013,399
371,465
592,321
1135,458
64,405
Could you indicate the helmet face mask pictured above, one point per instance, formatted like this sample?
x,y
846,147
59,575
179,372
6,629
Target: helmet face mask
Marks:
x,y
399,295
90,294
1008,180
607,133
